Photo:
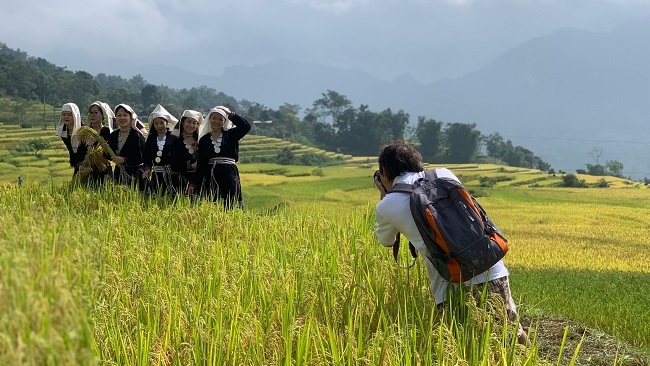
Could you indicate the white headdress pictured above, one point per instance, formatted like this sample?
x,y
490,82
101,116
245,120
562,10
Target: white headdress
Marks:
x,y
62,129
191,114
136,123
207,128
161,112
107,112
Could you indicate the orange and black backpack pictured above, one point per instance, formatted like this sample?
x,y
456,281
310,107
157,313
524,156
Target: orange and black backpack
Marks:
x,y
461,240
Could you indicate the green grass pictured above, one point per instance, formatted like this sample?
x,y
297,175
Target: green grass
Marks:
x,y
296,278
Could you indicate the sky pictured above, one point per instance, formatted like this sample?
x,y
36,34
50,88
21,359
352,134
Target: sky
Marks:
x,y
428,39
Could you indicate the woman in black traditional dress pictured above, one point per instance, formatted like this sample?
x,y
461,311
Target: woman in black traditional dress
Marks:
x,y
218,153
157,151
69,123
185,152
97,114
128,145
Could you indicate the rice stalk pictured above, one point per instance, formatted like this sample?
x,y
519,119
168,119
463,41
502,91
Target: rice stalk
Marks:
x,y
85,134
95,156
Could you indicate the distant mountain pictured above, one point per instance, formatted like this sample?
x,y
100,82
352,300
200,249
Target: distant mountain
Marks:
x,y
560,95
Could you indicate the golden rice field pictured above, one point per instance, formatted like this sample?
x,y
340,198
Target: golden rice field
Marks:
x,y
298,278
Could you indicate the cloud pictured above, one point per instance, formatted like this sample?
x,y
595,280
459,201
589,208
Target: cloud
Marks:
x,y
460,2
333,6
123,28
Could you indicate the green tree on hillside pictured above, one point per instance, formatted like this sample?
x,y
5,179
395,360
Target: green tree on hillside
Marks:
x,y
614,168
429,134
33,146
150,97
331,104
462,142
39,145
596,169
512,155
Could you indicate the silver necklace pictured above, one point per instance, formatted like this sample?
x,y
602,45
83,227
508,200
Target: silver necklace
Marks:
x,y
189,147
216,142
161,146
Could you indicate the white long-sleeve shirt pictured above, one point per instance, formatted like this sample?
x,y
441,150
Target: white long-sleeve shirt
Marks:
x,y
393,214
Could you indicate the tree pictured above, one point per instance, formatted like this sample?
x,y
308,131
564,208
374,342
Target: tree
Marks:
x,y
614,168
428,132
118,96
597,170
285,157
150,97
39,145
596,153
137,82
495,145
571,180
33,145
397,122
190,103
332,104
462,141
85,89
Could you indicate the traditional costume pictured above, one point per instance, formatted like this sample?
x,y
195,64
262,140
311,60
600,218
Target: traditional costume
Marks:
x,y
76,150
131,148
157,152
184,153
99,176
218,154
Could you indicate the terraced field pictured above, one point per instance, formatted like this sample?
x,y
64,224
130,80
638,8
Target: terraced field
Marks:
x,y
51,165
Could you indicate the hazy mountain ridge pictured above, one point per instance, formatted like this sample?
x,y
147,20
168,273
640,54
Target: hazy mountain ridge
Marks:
x,y
559,95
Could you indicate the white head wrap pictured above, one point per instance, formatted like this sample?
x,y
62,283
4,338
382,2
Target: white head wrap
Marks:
x,y
136,123
107,112
161,112
62,130
191,114
207,128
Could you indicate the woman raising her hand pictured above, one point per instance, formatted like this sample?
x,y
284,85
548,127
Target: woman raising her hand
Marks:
x,y
219,153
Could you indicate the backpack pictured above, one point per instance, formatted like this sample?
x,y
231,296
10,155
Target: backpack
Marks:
x,y
461,240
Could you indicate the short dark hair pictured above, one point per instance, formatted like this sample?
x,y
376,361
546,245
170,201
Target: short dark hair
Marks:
x,y
181,124
397,158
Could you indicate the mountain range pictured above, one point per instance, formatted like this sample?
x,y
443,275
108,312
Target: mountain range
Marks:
x,y
560,95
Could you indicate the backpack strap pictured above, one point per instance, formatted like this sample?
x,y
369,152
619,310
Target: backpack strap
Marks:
x,y
396,244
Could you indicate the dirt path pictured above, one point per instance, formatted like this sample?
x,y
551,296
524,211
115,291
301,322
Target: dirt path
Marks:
x,y
597,348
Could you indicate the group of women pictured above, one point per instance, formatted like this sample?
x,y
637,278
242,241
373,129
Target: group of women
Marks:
x,y
196,156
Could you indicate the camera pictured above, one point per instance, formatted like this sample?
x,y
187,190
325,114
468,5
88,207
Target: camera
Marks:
x,y
376,176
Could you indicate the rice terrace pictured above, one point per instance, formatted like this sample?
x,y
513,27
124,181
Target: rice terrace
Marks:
x,y
298,278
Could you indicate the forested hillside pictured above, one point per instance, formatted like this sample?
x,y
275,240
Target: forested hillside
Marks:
x,y
32,90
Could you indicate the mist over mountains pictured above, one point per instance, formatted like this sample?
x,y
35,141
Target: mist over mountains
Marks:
x,y
560,95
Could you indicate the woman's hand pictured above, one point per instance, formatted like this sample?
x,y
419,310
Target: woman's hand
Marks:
x,y
225,109
190,190
146,174
117,159
379,185
85,171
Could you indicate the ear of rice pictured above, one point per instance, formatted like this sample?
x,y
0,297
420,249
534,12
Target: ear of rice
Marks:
x,y
95,157
85,134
